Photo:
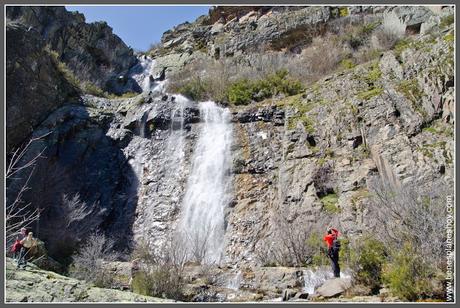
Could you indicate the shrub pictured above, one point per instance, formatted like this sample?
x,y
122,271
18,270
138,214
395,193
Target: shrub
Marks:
x,y
329,202
322,56
408,275
92,89
446,21
367,258
162,272
384,40
244,91
159,281
240,92
343,11
391,23
292,243
88,262
392,204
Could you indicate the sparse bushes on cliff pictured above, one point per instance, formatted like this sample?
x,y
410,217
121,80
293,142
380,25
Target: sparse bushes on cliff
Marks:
x,y
244,91
161,274
217,82
88,263
409,222
293,243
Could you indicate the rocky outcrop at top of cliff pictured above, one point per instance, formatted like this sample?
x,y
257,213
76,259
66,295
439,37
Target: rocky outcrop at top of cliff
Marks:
x,y
92,51
238,31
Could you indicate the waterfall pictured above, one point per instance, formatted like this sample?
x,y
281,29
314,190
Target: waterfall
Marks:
x,y
142,74
201,225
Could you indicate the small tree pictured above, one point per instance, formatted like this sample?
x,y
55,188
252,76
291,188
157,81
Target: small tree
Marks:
x,y
162,272
18,173
88,262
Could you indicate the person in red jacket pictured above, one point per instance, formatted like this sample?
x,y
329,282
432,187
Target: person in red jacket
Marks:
x,y
333,247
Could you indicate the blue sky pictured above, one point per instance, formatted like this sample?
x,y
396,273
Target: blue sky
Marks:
x,y
140,26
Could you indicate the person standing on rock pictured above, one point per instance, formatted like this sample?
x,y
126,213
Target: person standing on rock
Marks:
x,y
26,246
333,247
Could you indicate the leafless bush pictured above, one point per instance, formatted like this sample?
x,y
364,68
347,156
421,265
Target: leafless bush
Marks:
x,y
291,242
75,209
88,263
384,40
162,273
411,214
322,56
392,29
19,171
393,24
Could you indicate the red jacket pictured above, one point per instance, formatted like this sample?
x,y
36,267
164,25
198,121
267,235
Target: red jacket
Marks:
x,y
16,246
329,238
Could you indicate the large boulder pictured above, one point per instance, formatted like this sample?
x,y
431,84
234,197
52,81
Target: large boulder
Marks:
x,y
334,287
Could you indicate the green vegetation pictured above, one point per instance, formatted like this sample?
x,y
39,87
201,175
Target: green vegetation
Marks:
x,y
374,73
447,21
347,64
62,67
124,95
92,89
84,86
241,92
329,202
366,95
407,275
449,37
367,261
412,91
371,78
161,281
400,46
195,89
343,11
244,91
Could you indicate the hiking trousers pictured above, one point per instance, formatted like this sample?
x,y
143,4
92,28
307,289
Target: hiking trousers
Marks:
x,y
23,255
334,256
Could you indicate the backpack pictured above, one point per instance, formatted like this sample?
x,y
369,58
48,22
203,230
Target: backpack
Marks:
x,y
336,244
16,246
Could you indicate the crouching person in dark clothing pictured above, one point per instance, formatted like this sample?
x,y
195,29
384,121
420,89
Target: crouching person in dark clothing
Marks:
x,y
333,247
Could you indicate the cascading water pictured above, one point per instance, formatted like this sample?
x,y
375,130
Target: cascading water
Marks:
x,y
201,226
142,73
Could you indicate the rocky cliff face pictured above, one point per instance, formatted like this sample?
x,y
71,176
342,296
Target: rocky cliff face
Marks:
x,y
332,141
30,66
129,159
91,51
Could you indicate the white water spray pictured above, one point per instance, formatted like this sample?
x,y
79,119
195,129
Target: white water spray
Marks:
x,y
142,73
314,278
208,189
